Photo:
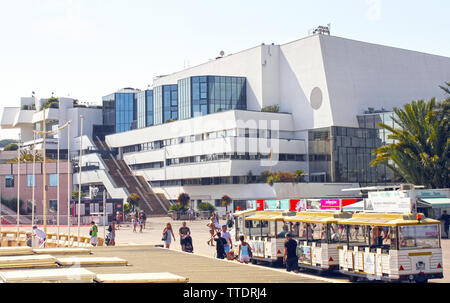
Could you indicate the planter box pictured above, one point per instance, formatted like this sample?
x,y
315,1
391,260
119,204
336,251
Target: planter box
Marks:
x,y
179,216
204,214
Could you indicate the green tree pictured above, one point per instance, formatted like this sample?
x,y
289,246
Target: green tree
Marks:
x,y
11,146
420,151
75,194
133,200
183,201
299,176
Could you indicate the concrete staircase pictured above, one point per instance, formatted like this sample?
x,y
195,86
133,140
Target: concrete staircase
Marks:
x,y
10,217
152,204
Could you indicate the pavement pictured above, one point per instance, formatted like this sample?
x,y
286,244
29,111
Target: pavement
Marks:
x,y
151,236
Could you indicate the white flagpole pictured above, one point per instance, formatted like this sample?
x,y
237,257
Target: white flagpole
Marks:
x,y
69,195
33,203
104,213
79,176
57,189
18,188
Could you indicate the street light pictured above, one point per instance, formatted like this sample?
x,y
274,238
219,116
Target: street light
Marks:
x,y
79,175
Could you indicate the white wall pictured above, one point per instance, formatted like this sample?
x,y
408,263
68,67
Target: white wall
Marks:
x,y
261,191
361,75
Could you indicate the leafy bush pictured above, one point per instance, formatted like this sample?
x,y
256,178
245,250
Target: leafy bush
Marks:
x,y
11,146
206,207
271,108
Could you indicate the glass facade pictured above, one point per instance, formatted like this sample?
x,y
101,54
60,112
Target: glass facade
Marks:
x,y
109,110
140,103
184,98
343,154
149,108
170,102
158,105
125,112
202,95
120,110
144,102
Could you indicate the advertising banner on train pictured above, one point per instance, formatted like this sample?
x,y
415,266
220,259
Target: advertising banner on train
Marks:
x,y
391,201
330,204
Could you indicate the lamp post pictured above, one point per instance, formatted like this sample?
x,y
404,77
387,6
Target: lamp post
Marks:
x,y
69,196
33,202
79,175
18,188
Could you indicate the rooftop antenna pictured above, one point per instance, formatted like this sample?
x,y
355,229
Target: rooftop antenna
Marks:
x,y
222,53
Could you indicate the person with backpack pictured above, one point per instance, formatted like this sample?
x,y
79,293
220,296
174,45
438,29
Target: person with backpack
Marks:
x,y
220,246
93,232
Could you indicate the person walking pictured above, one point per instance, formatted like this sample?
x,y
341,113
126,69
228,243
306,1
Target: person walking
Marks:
x,y
184,232
37,232
229,245
93,232
220,246
144,218
112,233
230,219
118,219
290,257
191,214
216,221
212,231
134,221
167,233
446,218
141,221
245,251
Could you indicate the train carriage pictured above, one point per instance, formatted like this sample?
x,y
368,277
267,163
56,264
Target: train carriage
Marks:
x,y
390,247
317,242
262,231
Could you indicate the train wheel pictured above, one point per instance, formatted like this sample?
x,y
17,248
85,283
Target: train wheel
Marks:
x,y
353,279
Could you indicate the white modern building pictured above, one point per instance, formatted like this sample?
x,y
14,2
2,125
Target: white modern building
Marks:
x,y
320,83
30,116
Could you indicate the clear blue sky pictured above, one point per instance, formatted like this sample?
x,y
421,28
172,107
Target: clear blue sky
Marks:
x,y
90,48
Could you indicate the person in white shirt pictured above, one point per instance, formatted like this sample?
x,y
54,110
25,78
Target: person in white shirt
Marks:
x,y
226,235
40,234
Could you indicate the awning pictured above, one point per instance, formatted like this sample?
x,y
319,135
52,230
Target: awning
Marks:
x,y
436,202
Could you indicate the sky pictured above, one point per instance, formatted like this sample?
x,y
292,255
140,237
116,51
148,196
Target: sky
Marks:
x,y
86,49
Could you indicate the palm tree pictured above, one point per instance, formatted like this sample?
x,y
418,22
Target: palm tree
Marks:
x,y
183,200
421,148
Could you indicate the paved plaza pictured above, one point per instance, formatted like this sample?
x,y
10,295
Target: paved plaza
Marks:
x,y
203,253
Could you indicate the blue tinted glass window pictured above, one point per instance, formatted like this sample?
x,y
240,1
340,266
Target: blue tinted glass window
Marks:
x,y
53,180
31,182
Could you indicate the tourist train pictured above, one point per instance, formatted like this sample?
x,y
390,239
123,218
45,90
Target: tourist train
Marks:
x,y
400,245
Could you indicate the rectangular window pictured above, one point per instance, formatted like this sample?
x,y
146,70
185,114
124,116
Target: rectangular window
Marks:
x,y
53,180
31,182
9,181
53,206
